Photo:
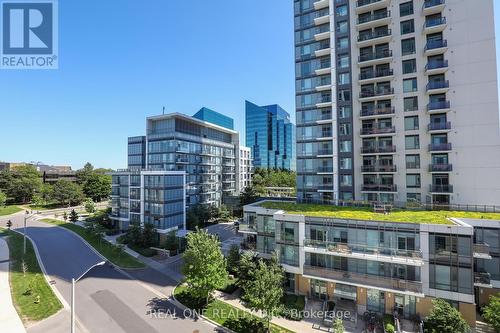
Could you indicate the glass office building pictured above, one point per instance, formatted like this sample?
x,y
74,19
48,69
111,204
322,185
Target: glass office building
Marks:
x,y
270,136
213,117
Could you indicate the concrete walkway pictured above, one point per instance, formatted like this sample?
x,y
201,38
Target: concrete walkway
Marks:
x,y
9,319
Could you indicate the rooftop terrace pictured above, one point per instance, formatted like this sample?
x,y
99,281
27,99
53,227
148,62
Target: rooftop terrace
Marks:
x,y
367,213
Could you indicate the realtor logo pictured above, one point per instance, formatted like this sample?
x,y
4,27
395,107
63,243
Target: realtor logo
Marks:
x,y
29,34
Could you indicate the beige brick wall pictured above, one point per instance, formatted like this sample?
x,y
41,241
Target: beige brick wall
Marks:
x,y
485,293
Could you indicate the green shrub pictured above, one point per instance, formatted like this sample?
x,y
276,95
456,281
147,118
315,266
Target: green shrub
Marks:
x,y
293,305
389,328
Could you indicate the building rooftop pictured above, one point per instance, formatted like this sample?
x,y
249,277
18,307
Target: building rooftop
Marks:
x,y
367,213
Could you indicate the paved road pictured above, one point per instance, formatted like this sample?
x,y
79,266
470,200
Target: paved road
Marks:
x,y
107,299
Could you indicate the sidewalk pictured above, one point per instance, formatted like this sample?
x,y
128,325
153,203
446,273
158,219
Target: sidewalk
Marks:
x,y
9,319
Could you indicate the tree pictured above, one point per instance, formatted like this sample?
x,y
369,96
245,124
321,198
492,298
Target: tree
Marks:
x,y
171,242
148,235
205,265
134,234
21,183
491,312
73,216
338,326
246,266
249,195
265,290
233,259
89,206
83,174
65,216
444,318
3,199
9,224
67,193
97,186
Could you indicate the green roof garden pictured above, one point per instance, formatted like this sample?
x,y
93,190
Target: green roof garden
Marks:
x,y
367,213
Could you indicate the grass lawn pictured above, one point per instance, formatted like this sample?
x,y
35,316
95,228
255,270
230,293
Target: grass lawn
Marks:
x,y
110,251
7,210
366,213
227,315
26,288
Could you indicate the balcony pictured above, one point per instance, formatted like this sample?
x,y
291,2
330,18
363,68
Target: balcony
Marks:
x,y
441,188
374,38
366,280
322,17
377,131
439,127
325,68
375,112
320,4
433,47
374,20
378,168
378,150
436,67
434,147
434,25
363,6
247,228
382,93
440,167
325,152
375,58
379,188
325,188
438,107
437,87
481,250
363,251
324,49
374,76
482,279
432,7
324,101
322,36
325,169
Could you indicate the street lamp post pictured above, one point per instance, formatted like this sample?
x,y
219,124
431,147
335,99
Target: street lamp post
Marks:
x,y
73,282
24,243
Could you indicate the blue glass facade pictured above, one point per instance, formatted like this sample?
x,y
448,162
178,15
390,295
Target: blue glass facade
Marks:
x,y
213,117
270,136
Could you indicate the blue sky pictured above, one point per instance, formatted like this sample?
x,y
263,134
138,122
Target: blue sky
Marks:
x,y
122,60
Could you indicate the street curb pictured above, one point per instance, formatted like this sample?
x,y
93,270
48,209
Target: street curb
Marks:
x,y
183,307
93,249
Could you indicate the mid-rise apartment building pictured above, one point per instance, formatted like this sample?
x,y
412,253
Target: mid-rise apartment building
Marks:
x,y
270,135
384,262
245,167
396,101
214,117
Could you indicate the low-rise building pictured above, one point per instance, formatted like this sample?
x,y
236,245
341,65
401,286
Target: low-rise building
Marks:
x,y
380,260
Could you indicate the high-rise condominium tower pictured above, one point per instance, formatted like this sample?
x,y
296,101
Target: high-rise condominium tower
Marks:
x,y
397,101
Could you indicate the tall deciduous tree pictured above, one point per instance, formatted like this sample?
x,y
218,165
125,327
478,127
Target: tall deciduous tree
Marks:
x,y
3,199
444,318
265,290
97,186
205,265
233,259
21,183
491,312
84,173
89,206
67,193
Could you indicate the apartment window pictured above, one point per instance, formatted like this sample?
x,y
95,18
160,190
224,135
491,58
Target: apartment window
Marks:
x,y
406,8
409,66
345,129
341,10
342,43
407,27
410,85
344,95
411,123
344,78
343,61
345,163
412,142
408,46
413,180
345,112
342,27
345,180
410,103
413,161
345,146
414,197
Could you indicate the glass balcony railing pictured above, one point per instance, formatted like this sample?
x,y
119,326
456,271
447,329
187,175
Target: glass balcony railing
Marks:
x,y
379,149
429,23
379,187
440,167
436,64
439,146
364,279
432,3
378,168
435,44
441,105
441,188
361,3
378,130
375,74
374,35
375,55
439,126
376,93
374,17
325,168
481,249
482,278
377,111
437,85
